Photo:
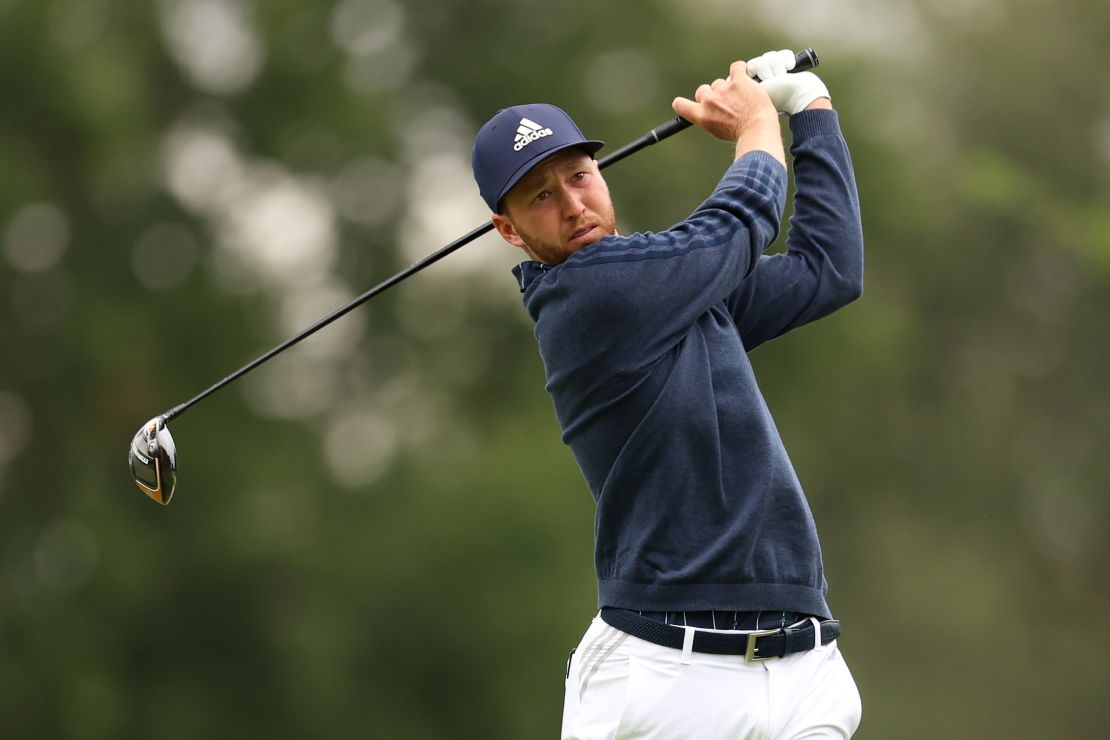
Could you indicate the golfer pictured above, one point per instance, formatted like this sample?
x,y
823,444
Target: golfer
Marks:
x,y
713,620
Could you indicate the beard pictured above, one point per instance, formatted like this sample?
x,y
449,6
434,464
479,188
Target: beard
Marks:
x,y
550,253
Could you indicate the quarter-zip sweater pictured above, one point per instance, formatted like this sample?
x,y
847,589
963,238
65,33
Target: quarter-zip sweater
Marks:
x,y
645,342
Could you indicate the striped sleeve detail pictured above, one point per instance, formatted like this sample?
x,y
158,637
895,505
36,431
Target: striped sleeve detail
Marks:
x,y
753,189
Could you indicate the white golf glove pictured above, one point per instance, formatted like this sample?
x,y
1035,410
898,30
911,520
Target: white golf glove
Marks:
x,y
791,93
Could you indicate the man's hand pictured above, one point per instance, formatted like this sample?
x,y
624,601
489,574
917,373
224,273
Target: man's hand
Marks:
x,y
735,109
791,93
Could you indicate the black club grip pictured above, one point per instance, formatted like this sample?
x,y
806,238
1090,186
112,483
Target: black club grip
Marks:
x,y
803,60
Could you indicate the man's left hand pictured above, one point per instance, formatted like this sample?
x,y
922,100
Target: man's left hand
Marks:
x,y
791,93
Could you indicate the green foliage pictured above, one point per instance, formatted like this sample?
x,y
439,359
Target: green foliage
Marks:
x,y
164,217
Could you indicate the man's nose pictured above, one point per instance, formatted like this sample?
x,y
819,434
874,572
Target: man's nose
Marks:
x,y
572,204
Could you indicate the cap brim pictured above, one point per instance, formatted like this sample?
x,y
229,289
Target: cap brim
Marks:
x,y
590,145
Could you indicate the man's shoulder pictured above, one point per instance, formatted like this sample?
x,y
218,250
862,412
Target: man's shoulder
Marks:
x,y
615,248
586,280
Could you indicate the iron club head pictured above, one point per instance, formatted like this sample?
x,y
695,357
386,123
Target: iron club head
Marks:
x,y
153,460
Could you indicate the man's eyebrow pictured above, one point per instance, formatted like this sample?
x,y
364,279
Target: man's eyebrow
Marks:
x,y
554,168
532,181
536,178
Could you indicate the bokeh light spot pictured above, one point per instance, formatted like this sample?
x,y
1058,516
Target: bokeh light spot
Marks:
x,y
36,237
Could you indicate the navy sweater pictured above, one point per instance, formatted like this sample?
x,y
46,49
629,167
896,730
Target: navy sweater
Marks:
x,y
645,339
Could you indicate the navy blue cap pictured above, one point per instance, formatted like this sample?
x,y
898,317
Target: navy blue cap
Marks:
x,y
516,140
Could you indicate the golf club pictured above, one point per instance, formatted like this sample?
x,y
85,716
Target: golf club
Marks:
x,y
153,454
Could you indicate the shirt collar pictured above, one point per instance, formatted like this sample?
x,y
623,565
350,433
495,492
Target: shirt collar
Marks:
x,y
528,271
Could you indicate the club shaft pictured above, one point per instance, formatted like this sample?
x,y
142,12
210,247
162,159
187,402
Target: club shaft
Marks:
x,y
343,310
806,59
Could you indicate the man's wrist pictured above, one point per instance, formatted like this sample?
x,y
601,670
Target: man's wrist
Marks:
x,y
762,134
765,119
820,104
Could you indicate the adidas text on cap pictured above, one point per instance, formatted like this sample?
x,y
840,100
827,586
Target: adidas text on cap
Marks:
x,y
516,140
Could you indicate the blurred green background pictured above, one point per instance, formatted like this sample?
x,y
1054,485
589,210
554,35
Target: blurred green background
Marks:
x,y
380,534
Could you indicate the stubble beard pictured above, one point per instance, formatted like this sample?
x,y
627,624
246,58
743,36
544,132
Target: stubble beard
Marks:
x,y
554,254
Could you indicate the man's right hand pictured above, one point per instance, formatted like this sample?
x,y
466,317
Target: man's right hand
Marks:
x,y
735,109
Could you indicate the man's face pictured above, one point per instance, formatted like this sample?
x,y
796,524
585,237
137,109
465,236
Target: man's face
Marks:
x,y
560,206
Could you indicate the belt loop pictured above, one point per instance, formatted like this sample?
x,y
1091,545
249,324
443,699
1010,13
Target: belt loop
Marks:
x,y
687,644
816,632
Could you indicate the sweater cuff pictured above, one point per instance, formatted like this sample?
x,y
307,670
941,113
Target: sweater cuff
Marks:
x,y
818,122
761,160
763,167
760,171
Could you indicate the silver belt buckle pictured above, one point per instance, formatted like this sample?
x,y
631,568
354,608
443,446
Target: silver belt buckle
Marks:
x,y
749,654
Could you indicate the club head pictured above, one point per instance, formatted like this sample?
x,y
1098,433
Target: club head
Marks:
x,y
153,460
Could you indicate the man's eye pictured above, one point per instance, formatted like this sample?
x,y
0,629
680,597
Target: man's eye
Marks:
x,y
543,195
580,175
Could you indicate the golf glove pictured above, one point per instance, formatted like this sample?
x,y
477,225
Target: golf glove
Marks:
x,y
791,93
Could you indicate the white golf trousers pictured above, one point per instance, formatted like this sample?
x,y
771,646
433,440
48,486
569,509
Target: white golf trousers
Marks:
x,y
619,686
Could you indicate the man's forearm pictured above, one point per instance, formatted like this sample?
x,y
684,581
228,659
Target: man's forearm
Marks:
x,y
826,221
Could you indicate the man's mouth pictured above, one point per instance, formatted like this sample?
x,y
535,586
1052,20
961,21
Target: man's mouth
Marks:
x,y
582,232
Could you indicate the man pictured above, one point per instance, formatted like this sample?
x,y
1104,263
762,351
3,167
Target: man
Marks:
x,y
713,620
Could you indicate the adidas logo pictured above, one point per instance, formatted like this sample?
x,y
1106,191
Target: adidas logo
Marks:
x,y
527,132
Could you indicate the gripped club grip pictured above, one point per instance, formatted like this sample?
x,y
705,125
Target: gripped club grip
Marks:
x,y
803,60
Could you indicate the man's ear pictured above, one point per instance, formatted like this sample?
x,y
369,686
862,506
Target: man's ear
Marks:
x,y
507,231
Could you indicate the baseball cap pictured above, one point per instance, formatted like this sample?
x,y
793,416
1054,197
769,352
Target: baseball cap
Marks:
x,y
516,140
